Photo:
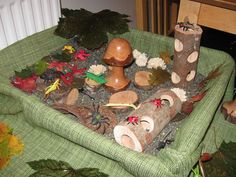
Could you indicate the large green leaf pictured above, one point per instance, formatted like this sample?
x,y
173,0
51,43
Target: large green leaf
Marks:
x,y
53,168
91,28
223,163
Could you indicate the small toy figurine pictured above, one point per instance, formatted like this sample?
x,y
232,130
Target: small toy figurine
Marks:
x,y
69,48
132,119
54,86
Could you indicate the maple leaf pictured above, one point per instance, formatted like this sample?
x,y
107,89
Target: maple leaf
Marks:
x,y
10,145
211,75
91,28
59,66
223,163
67,78
82,55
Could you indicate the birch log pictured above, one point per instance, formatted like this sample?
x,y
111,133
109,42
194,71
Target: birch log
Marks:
x,y
151,120
186,53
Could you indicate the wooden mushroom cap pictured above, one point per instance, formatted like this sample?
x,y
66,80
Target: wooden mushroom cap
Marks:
x,y
118,52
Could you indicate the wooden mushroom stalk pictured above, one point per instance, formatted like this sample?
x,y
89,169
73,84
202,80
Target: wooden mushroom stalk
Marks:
x,y
144,124
118,54
186,53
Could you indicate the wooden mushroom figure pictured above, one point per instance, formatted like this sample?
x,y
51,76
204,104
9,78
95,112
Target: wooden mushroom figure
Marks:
x,y
144,124
118,54
186,53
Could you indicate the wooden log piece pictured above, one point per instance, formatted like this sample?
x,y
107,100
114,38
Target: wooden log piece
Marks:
x,y
151,119
229,110
141,79
186,53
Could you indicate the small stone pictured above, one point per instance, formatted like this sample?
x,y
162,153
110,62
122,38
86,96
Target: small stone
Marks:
x,y
72,97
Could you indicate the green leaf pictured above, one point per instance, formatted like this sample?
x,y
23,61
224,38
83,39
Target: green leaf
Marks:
x,y
49,163
223,163
91,28
90,172
40,67
53,168
158,77
63,57
98,78
4,149
25,73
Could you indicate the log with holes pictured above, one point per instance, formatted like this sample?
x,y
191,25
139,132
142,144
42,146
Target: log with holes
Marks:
x,y
186,53
145,123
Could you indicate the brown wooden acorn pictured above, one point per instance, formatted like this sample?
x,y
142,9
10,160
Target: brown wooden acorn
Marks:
x,y
118,54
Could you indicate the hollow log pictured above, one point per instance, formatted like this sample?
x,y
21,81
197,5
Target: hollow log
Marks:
x,y
148,120
186,53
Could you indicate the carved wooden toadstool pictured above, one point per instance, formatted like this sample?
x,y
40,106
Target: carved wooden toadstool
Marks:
x,y
118,54
187,45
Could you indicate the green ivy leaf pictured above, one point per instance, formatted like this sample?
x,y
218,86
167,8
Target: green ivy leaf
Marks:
x,y
25,73
40,67
91,28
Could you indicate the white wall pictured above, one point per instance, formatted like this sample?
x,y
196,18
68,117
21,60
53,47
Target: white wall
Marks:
x,y
121,6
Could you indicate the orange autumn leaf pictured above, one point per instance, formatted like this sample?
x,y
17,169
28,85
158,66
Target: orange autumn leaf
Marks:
x,y
15,145
4,162
165,56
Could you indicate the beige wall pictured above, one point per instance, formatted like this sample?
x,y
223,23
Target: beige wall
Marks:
x,y
122,6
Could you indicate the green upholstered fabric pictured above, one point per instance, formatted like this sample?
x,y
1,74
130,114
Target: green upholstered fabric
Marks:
x,y
46,133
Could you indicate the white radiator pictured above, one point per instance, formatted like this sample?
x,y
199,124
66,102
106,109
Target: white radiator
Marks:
x,y
21,18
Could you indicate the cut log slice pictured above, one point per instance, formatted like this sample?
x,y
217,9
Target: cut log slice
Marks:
x,y
123,97
141,80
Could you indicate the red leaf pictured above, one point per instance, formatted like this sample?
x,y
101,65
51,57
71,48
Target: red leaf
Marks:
x,y
67,78
197,97
187,107
205,157
82,55
211,75
58,65
27,85
76,71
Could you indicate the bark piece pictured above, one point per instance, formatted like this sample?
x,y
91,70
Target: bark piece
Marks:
x,y
229,111
141,80
72,97
151,119
186,54
123,97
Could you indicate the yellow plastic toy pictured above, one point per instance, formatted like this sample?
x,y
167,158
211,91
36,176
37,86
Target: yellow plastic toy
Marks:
x,y
69,48
54,86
